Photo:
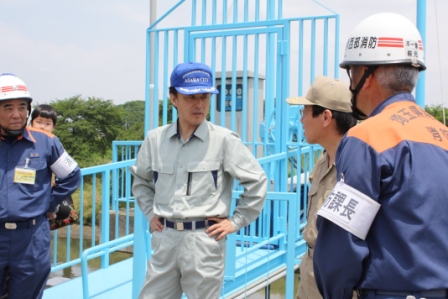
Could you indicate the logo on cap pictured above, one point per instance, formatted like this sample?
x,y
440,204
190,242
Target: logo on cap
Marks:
x,y
192,78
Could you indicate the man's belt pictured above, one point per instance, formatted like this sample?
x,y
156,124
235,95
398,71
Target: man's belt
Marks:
x,y
437,293
188,225
17,224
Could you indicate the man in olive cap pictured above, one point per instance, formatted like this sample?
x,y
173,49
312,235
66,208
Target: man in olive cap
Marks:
x,y
326,117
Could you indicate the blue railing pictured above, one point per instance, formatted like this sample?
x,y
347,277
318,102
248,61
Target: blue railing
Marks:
x,y
248,44
102,250
93,198
124,201
276,231
125,150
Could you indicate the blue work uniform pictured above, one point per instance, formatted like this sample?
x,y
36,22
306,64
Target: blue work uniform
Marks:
x,y
399,158
24,228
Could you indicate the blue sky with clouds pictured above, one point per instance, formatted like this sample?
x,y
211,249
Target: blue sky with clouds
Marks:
x,y
97,48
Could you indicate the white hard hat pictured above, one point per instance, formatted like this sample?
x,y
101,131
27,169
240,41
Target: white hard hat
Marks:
x,y
12,87
384,38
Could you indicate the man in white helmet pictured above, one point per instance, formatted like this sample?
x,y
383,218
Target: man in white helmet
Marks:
x,y
28,157
382,229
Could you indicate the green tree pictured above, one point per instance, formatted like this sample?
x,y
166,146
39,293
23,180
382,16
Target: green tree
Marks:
x,y
437,112
134,120
170,109
87,127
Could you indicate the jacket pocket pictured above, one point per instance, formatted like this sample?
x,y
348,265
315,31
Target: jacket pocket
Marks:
x,y
164,181
40,166
204,178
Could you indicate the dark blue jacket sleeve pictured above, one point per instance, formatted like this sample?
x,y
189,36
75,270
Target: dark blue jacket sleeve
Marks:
x,y
338,259
66,185
339,255
64,188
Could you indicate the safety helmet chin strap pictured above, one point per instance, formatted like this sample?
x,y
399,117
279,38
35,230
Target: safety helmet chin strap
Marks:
x,y
14,133
358,114
11,133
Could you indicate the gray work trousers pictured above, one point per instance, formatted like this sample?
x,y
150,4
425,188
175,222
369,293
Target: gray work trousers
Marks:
x,y
187,262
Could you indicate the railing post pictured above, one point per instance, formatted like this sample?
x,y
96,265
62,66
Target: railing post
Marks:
x,y
115,146
105,207
291,247
140,257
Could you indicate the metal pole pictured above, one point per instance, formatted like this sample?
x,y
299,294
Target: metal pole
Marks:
x,y
152,97
421,26
140,223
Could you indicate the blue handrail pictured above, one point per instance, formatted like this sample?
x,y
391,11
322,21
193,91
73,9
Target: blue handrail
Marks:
x,y
101,250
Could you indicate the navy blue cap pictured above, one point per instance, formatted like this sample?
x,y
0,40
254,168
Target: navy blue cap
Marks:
x,y
192,78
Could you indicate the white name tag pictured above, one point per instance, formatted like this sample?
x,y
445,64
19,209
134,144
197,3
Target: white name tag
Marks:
x,y
350,209
63,166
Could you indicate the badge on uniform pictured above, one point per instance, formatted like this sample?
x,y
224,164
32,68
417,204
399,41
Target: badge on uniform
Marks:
x,y
350,209
25,174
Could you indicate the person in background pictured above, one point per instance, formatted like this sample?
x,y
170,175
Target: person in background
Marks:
x,y
28,157
183,179
326,116
382,230
45,117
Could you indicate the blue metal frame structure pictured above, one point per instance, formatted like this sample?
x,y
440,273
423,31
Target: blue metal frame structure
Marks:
x,y
236,44
279,57
242,44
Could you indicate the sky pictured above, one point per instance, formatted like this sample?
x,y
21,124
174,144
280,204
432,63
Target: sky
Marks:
x,y
96,48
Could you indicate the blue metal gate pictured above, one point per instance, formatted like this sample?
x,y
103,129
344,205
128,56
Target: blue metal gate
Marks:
x,y
227,49
259,59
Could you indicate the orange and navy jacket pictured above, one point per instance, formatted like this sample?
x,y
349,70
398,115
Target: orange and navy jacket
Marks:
x,y
24,201
399,158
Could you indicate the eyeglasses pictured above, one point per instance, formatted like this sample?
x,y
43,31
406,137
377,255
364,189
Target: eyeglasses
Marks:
x,y
314,110
355,69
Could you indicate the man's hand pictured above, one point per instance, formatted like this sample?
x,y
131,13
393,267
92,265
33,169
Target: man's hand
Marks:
x,y
220,229
156,224
51,216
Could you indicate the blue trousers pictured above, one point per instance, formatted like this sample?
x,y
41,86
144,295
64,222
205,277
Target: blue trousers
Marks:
x,y
25,257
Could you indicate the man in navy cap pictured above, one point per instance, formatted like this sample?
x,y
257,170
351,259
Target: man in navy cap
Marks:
x,y
183,181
